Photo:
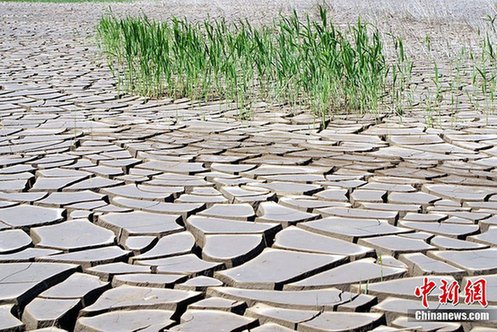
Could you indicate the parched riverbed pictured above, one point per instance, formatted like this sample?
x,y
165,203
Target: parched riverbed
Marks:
x,y
128,214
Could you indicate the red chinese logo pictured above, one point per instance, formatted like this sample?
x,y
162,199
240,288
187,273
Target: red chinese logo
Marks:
x,y
425,290
450,293
474,291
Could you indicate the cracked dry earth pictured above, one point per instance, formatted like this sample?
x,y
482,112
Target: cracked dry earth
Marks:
x,y
135,215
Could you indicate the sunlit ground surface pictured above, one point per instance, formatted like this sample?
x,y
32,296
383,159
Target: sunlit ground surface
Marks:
x,y
125,213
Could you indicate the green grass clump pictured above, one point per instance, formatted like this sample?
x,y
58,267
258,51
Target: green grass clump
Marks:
x,y
294,60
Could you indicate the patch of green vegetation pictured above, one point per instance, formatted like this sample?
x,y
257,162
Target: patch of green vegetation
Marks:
x,y
301,62
295,60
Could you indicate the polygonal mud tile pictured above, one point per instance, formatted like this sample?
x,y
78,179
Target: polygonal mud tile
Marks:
x,y
459,193
351,229
72,235
333,194
126,321
202,226
328,299
394,245
390,216
5,204
418,235
343,321
475,262
183,209
388,187
86,205
140,223
59,199
80,214
174,167
342,276
420,198
242,212
29,215
414,139
27,255
207,200
481,205
294,238
289,318
174,191
489,237
232,250
233,180
41,313
401,209
90,257
132,191
124,163
188,264
278,160
13,240
178,180
140,244
274,267
458,231
390,261
364,195
61,172
148,280
420,264
403,288
288,188
448,243
299,178
234,192
205,191
200,283
94,183
13,185
169,245
447,202
280,170
104,171
460,213
274,212
359,303
231,168
80,286
308,204
21,282
348,185
213,320
108,271
54,184
394,307
220,159
8,322
426,217
131,297
218,303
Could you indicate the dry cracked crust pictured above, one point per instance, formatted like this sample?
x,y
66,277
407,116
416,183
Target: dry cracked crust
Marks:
x,y
135,215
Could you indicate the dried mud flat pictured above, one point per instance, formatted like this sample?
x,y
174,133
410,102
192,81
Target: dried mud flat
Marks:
x,y
135,215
